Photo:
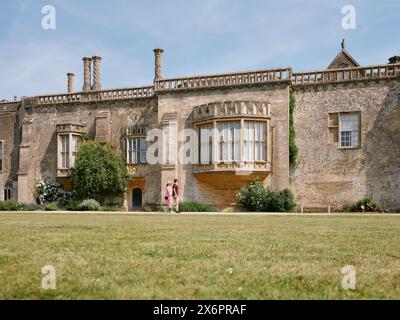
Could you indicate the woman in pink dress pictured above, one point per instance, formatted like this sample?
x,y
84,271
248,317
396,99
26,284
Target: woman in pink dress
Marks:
x,y
169,197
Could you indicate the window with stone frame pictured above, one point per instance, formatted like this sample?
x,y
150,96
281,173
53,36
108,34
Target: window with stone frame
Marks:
x,y
344,129
228,141
136,148
349,130
68,146
1,155
235,141
7,193
254,140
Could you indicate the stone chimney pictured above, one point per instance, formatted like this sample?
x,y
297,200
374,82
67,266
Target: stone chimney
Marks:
x,y
158,63
96,73
70,77
86,73
394,59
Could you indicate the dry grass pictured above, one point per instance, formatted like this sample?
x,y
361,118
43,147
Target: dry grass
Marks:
x,y
158,256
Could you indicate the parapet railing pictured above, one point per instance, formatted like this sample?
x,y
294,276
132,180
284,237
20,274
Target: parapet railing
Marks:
x,y
348,74
224,80
92,96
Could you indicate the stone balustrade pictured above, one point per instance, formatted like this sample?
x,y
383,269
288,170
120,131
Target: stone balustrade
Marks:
x,y
348,74
224,80
93,96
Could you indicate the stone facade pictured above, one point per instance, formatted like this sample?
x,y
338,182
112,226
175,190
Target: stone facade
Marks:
x,y
34,131
329,175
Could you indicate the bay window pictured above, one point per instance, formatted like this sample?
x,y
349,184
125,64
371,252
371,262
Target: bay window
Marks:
x,y
235,141
68,145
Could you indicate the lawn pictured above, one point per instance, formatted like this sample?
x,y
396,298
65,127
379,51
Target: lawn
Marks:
x,y
160,256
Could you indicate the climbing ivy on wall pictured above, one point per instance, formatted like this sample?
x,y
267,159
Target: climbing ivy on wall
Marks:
x,y
293,150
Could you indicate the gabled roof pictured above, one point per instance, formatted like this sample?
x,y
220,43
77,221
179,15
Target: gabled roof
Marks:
x,y
343,58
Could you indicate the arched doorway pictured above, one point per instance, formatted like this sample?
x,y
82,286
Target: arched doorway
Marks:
x,y
137,199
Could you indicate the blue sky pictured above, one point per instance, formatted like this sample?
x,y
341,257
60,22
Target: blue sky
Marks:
x,y
199,37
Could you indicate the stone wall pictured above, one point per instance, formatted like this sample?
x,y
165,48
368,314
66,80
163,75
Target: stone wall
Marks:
x,y
104,120
222,194
9,136
327,175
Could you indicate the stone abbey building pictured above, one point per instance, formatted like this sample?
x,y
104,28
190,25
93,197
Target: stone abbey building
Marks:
x,y
346,118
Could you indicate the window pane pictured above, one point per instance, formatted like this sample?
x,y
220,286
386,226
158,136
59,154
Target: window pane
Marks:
x,y
257,151
262,152
143,148
349,130
74,147
65,151
262,129
205,144
346,138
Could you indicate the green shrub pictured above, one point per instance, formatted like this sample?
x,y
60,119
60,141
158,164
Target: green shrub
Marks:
x,y
52,206
10,205
112,208
282,201
363,205
72,205
89,205
156,207
32,207
193,206
255,197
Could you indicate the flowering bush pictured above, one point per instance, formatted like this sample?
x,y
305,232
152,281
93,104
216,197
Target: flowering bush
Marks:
x,y
89,205
52,192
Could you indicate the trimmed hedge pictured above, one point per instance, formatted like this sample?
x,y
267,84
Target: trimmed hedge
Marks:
x,y
193,206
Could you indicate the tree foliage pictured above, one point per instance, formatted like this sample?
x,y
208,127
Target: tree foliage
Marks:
x,y
99,170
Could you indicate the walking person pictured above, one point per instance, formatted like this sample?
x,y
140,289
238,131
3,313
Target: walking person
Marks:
x,y
168,196
175,194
